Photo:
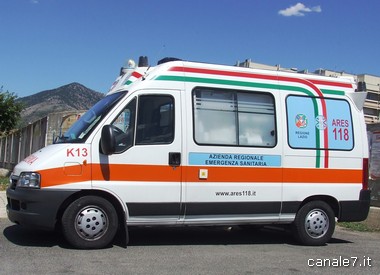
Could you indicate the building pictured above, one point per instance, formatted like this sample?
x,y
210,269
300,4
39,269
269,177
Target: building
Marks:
x,y
372,103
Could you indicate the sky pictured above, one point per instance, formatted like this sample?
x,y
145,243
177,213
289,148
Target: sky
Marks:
x,y
45,44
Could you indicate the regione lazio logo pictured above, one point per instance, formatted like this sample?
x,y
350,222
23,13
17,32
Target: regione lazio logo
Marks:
x,y
301,121
321,122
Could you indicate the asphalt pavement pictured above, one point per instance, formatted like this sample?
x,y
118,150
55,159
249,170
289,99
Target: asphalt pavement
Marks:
x,y
189,250
3,203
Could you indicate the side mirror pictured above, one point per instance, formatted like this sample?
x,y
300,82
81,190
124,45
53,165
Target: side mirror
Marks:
x,y
108,140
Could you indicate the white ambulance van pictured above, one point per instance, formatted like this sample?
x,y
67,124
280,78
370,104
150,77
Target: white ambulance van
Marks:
x,y
186,143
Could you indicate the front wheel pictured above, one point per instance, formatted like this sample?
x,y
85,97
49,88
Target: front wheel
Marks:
x,y
314,223
90,222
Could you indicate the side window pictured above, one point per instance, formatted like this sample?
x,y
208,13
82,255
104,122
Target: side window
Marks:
x,y
228,117
256,120
155,120
124,127
310,128
214,117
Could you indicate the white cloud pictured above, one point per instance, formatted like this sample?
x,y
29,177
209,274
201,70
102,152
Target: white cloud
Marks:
x,y
299,9
34,1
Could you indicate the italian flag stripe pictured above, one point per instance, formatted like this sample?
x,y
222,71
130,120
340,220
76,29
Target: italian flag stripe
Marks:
x,y
134,76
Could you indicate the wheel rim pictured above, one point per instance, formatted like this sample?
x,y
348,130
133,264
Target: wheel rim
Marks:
x,y
91,223
316,223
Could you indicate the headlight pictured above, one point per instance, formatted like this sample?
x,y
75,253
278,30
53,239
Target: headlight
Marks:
x,y
29,179
10,179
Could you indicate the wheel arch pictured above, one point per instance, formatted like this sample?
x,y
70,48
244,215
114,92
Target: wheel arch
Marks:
x,y
117,204
331,201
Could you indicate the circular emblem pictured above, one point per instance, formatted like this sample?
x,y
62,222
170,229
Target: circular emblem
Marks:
x,y
321,122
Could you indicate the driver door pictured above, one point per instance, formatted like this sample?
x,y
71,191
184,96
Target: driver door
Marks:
x,y
146,169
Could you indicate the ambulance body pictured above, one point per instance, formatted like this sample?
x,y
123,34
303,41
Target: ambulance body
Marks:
x,y
188,143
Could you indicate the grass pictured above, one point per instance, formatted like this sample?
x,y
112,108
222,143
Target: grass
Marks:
x,y
4,182
358,226
355,226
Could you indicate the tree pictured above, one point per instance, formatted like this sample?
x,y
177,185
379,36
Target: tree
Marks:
x,y
10,111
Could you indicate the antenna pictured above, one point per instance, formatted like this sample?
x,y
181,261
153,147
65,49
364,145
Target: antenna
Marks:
x,y
160,52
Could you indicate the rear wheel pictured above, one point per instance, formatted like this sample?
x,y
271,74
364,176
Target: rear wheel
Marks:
x,y
90,222
314,223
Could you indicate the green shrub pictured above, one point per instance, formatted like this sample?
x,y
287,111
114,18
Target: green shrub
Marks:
x,y
4,181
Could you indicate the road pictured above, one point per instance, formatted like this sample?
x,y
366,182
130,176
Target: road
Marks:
x,y
189,251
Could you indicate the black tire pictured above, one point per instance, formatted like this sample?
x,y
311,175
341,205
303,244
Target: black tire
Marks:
x,y
90,222
314,223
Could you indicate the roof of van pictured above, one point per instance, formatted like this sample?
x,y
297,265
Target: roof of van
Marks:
x,y
205,73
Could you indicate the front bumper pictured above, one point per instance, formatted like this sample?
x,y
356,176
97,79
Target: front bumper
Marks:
x,y
36,208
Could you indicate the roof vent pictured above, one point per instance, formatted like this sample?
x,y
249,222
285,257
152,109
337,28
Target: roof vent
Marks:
x,y
167,59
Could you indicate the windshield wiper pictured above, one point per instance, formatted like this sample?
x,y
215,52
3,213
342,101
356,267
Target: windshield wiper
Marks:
x,y
60,139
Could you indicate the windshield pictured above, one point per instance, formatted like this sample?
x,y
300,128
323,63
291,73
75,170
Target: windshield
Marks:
x,y
79,131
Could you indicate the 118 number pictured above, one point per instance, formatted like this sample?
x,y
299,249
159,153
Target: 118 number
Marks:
x,y
340,134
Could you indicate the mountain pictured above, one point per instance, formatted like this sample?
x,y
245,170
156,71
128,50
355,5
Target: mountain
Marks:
x,y
73,96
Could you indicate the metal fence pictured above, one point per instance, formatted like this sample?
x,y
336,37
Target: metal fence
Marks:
x,y
20,144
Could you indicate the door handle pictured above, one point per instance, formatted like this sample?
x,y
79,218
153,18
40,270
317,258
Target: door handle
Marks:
x,y
174,158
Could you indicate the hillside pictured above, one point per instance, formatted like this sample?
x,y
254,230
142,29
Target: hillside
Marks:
x,y
73,96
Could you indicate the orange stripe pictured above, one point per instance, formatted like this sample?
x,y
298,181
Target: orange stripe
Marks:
x,y
306,175
165,173
286,175
65,175
130,172
235,174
